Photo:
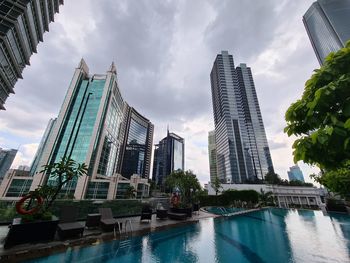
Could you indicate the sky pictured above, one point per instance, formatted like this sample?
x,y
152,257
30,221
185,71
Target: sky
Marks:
x,y
164,51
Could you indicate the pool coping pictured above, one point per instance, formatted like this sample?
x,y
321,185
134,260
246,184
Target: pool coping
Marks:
x,y
31,251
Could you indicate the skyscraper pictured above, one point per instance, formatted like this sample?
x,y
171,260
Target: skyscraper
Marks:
x,y
242,151
295,174
87,130
212,156
169,156
136,149
22,24
328,26
40,154
6,159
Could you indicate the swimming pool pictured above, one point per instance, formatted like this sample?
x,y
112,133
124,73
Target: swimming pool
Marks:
x,y
271,235
223,210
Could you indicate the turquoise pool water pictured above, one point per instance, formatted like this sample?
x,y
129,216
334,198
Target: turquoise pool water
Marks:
x,y
271,235
223,210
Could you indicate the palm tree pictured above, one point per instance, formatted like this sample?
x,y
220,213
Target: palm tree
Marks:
x,y
130,192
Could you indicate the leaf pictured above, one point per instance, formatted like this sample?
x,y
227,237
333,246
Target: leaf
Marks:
x,y
347,124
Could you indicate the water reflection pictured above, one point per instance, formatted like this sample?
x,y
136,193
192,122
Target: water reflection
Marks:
x,y
272,235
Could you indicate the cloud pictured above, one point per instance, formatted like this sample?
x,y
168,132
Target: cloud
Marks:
x,y
25,155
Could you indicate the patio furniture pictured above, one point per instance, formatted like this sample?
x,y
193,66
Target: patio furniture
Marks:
x,y
162,213
93,220
177,216
30,232
68,226
146,212
108,222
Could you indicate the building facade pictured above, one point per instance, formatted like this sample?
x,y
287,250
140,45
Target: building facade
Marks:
x,y
284,196
295,174
6,159
328,26
242,151
40,153
22,25
169,156
136,149
212,156
86,130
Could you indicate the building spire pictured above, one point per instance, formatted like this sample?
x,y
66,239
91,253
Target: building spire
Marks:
x,y
113,68
82,65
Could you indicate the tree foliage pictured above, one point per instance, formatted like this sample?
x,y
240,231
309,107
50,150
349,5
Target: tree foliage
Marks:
x,y
216,185
321,118
184,181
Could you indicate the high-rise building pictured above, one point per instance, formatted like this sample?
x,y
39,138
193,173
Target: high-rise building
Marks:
x,y
22,25
169,156
6,159
295,174
242,151
136,149
40,154
87,130
212,156
328,26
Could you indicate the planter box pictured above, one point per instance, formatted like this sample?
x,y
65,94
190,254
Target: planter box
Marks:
x,y
187,211
31,232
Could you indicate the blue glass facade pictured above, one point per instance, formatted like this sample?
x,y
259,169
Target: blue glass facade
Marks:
x,y
87,130
136,150
295,174
328,26
242,152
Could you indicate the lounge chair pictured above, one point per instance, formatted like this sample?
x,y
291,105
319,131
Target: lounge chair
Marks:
x,y
146,212
177,216
108,222
68,226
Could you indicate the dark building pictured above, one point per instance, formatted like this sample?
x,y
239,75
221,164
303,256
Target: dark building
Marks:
x,y
242,151
327,23
22,25
136,149
169,156
6,159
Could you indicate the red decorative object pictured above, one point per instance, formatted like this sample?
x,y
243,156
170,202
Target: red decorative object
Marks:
x,y
22,211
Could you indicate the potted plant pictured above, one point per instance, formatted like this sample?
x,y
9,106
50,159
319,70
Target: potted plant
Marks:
x,y
37,224
185,184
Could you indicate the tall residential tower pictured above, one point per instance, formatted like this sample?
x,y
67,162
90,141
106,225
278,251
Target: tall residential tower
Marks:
x,y
242,151
6,159
22,25
327,23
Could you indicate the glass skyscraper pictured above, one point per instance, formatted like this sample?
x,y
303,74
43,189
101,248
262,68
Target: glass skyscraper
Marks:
x,y
136,149
328,26
169,156
6,159
242,151
22,25
295,174
87,130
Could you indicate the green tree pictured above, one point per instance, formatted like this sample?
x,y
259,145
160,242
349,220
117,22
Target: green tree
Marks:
x,y
130,192
187,183
266,198
63,171
216,185
272,178
321,120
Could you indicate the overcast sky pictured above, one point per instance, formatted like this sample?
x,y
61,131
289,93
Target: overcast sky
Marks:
x,y
164,52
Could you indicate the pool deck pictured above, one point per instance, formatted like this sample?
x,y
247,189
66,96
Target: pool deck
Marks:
x,y
91,237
